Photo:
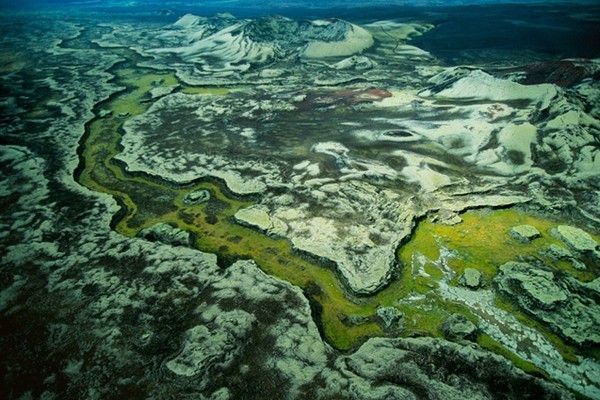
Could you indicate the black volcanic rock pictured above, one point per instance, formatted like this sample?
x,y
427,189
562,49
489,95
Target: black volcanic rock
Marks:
x,y
563,73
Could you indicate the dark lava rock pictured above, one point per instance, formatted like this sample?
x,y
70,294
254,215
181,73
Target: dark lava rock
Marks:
x,y
563,73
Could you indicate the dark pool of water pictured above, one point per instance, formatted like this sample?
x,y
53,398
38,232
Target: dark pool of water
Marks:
x,y
467,34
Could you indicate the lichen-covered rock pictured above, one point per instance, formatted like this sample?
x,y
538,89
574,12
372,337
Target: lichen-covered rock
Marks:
x,y
391,318
459,327
576,238
567,305
435,369
557,252
258,216
537,286
197,197
525,233
447,217
471,278
166,233
213,347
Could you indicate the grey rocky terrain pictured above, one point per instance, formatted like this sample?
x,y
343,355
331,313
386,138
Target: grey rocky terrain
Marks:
x,y
340,158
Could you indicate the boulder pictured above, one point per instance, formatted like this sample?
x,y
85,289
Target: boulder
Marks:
x,y
459,327
391,318
525,233
446,217
557,252
257,216
197,197
470,278
166,233
534,284
577,239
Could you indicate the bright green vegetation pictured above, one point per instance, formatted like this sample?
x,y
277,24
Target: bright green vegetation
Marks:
x,y
217,91
481,240
487,342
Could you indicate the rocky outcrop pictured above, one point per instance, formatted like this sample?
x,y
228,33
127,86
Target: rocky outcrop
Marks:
x,y
568,306
197,197
577,239
458,327
212,345
390,317
525,233
537,285
437,369
166,233
446,217
258,216
471,278
558,252
358,63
